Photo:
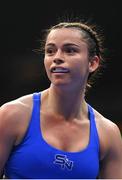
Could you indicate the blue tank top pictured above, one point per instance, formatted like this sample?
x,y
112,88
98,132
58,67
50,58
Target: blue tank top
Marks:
x,y
34,158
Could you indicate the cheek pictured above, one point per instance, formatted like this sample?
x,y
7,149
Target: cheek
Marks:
x,y
46,63
81,65
81,71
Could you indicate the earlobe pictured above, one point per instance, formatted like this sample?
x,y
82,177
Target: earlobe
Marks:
x,y
94,63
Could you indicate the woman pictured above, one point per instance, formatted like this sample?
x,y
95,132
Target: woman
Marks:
x,y
55,133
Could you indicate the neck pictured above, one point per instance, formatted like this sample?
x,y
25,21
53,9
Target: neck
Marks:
x,y
67,103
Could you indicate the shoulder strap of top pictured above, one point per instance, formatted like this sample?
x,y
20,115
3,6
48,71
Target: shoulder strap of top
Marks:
x,y
94,138
35,119
34,125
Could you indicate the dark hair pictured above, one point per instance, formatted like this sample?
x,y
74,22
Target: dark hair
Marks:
x,y
93,39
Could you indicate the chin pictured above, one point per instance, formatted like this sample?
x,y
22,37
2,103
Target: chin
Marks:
x,y
60,83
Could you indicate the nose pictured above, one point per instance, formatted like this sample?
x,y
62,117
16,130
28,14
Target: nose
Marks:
x,y
58,61
58,58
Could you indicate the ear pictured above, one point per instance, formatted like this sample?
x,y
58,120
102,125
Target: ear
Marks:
x,y
94,63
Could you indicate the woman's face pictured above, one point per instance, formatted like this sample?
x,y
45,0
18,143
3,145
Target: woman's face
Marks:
x,y
66,57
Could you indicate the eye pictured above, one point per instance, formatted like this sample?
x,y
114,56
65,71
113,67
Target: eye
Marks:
x,y
49,51
70,50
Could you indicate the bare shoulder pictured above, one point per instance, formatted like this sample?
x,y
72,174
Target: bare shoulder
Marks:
x,y
16,107
106,125
104,122
15,114
109,134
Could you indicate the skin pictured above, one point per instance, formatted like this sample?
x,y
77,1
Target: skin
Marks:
x,y
63,107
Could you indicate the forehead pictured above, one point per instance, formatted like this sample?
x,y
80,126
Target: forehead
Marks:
x,y
65,35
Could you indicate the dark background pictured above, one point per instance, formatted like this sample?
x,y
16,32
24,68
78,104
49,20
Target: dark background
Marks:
x,y
21,69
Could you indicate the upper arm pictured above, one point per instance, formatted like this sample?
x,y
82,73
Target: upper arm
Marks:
x,y
111,165
14,120
7,134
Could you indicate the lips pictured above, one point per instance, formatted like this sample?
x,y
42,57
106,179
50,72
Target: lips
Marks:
x,y
59,70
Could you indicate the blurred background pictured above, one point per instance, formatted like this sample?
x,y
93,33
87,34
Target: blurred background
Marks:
x,y
21,69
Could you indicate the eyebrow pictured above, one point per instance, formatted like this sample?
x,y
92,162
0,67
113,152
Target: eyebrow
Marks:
x,y
67,44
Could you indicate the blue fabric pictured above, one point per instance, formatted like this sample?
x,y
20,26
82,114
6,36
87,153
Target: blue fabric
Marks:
x,y
36,159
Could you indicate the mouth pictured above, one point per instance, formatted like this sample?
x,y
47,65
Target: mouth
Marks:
x,y
59,70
